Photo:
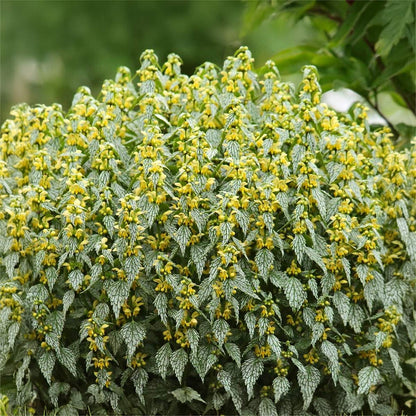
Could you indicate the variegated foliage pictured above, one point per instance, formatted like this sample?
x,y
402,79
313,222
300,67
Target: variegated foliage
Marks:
x,y
221,242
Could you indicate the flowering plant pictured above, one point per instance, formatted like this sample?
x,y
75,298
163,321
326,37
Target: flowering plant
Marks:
x,y
221,241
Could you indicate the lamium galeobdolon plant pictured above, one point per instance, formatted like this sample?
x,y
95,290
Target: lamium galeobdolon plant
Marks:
x,y
220,243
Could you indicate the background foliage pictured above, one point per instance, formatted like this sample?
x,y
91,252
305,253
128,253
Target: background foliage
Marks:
x,y
367,46
61,45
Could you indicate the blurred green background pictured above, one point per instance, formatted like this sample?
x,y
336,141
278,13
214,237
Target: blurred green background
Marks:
x,y
49,48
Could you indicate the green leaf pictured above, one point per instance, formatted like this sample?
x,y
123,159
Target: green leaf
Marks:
x,y
12,333
182,236
255,14
198,256
362,272
234,352
411,246
281,386
67,410
395,16
274,344
109,223
51,276
251,370
322,407
56,320
294,292
299,246
379,338
317,331
368,377
321,202
394,291
117,291
20,374
224,378
38,292
309,316
348,25
347,269
225,228
251,321
243,220
56,389
268,219
313,286
37,262
291,59
233,149
264,259
213,137
77,400
101,311
200,218
395,359
356,317
46,364
161,305
132,266
330,350
308,382
193,338
220,329
133,333
218,400
241,283
178,361
334,169
284,203
68,359
67,300
267,407
163,359
76,278
186,394
140,378
314,256
342,303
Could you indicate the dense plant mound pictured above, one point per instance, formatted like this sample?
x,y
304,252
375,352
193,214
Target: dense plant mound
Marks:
x,y
214,242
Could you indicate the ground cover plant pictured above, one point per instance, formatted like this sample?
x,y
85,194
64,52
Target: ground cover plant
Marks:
x,y
221,243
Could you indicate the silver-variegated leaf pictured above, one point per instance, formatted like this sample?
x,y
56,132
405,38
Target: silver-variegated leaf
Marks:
x,y
308,380
133,333
367,377
251,371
